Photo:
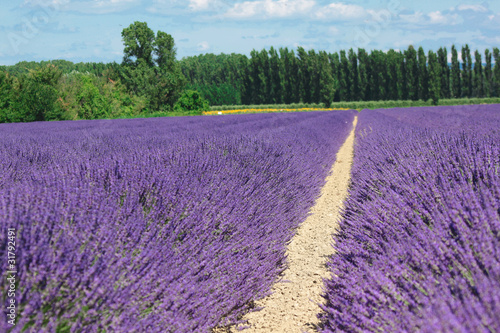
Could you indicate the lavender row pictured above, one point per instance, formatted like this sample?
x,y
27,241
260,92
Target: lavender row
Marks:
x,y
156,225
418,247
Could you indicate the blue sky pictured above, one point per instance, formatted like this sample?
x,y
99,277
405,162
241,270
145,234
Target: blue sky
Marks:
x,y
90,30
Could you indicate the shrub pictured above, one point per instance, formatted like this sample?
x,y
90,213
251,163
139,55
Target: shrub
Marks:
x,y
191,100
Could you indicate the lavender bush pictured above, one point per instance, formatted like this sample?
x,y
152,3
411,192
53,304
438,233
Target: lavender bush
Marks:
x,y
155,225
418,249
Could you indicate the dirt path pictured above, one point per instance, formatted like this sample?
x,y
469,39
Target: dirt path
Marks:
x,y
293,305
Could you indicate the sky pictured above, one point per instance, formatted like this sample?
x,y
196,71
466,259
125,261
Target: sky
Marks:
x,y
90,30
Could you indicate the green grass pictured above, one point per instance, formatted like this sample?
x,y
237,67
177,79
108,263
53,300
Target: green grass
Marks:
x,y
359,105
267,106
408,103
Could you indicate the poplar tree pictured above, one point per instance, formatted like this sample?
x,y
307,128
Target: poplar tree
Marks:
x,y
363,75
478,75
466,72
326,80
445,72
335,65
496,73
487,74
276,92
304,75
344,85
353,76
412,72
434,77
456,85
287,74
423,84
378,77
314,83
394,75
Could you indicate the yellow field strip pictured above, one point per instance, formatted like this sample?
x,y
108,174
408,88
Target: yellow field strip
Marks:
x,y
267,110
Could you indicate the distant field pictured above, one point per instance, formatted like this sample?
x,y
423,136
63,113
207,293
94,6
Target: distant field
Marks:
x,y
360,105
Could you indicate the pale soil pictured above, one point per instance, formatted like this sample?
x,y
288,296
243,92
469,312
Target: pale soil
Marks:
x,y
293,305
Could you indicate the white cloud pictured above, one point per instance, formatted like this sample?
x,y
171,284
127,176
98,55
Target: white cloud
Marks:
x,y
199,4
416,17
341,11
46,2
439,18
270,8
87,6
203,46
476,8
333,31
490,39
103,3
431,18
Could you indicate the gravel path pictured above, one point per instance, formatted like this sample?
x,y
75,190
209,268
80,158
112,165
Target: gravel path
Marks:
x,y
293,305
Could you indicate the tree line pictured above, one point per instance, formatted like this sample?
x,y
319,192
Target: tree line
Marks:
x,y
151,81
278,76
148,81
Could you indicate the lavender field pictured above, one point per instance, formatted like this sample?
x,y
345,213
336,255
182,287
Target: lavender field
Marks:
x,y
179,224
156,225
418,248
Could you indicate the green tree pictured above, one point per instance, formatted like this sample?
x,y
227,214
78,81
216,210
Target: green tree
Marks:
x,y
496,73
253,83
149,66
434,78
92,104
34,95
344,80
335,65
423,76
289,76
304,75
363,68
314,83
478,75
264,77
191,100
33,100
139,42
275,73
219,78
412,72
5,96
456,84
164,48
378,77
466,71
488,74
445,72
394,75
326,80
353,76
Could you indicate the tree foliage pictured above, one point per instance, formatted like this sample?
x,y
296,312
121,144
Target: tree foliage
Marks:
x,y
435,74
149,67
191,100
